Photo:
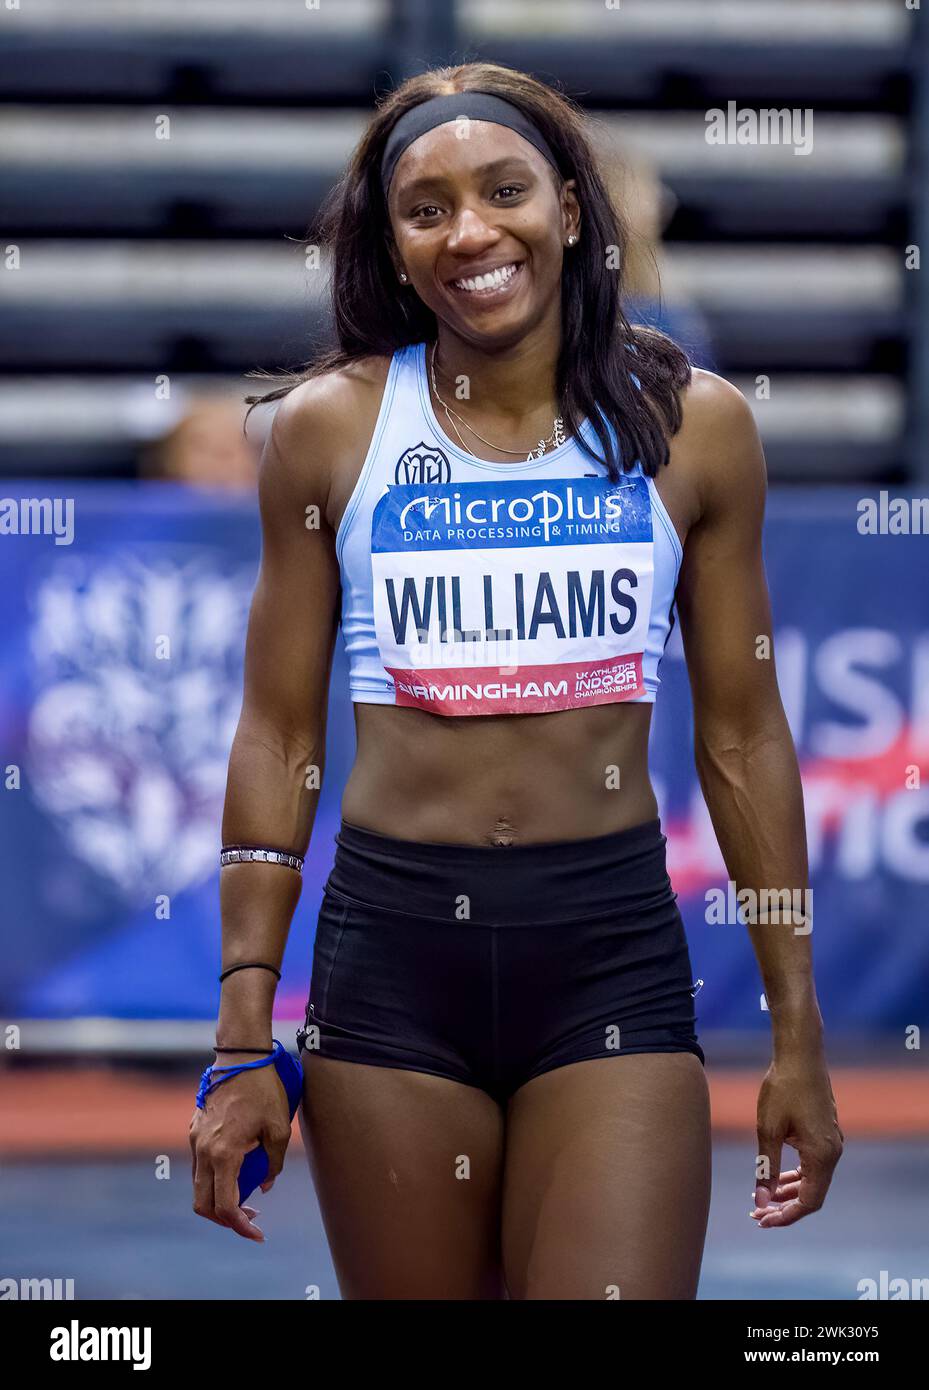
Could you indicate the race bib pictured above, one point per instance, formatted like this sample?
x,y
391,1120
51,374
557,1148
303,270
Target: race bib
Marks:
x,y
511,597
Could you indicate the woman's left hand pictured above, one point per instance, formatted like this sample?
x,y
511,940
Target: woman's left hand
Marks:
x,y
796,1107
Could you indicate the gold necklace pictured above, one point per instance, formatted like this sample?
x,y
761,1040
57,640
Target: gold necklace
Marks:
x,y
555,439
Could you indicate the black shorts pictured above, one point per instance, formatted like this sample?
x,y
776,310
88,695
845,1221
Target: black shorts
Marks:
x,y
492,965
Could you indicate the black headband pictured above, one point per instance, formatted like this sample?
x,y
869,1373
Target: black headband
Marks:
x,y
476,106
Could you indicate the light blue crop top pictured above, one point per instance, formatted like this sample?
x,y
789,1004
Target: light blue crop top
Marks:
x,y
473,588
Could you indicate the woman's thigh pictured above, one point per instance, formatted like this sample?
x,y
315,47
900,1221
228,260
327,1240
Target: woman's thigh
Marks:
x,y
407,1168
607,1180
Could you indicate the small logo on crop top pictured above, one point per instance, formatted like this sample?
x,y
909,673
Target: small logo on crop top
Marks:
x,y
423,466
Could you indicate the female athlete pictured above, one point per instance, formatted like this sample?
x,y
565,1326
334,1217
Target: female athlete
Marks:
x,y
501,490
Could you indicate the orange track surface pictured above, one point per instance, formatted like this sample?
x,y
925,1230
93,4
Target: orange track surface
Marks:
x,y
95,1110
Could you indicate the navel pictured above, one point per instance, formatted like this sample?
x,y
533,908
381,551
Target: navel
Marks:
x,y
503,833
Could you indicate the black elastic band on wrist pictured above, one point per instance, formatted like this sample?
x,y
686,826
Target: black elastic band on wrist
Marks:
x,y
250,965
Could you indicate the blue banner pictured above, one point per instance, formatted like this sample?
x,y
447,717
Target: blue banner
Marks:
x,y
121,686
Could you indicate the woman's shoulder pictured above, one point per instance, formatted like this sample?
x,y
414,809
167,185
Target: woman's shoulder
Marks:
x,y
330,408
325,423
710,402
718,446
322,430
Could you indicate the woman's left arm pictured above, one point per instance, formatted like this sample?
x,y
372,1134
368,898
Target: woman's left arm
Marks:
x,y
747,766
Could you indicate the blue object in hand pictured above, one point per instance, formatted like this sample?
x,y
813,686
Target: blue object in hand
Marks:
x,y
254,1167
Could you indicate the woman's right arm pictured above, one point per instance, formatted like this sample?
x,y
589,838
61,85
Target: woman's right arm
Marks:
x,y
272,790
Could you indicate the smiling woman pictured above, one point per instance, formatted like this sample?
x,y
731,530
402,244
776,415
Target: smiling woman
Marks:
x,y
500,969
432,161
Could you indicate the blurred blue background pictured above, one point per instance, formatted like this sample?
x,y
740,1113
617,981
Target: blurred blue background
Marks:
x,y
120,691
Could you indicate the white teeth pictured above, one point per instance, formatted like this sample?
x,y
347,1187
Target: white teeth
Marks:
x,y
491,280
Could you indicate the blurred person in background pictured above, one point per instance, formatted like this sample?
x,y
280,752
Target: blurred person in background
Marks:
x,y
647,206
206,447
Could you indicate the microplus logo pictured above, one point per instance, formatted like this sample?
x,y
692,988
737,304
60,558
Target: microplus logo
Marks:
x,y
38,516
581,510
76,1343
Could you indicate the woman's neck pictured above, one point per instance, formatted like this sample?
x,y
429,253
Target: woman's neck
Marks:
x,y
513,388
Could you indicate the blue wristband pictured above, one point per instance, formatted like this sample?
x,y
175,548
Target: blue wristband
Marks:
x,y
255,1165
207,1084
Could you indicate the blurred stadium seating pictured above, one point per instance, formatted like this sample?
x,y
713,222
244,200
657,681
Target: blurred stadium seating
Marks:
x,y
143,255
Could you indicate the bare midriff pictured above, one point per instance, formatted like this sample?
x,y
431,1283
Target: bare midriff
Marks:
x,y
500,780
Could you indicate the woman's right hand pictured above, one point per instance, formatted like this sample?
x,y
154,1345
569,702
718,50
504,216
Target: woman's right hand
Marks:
x,y
246,1110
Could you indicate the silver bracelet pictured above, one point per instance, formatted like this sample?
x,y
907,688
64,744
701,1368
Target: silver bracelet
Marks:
x,y
257,854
